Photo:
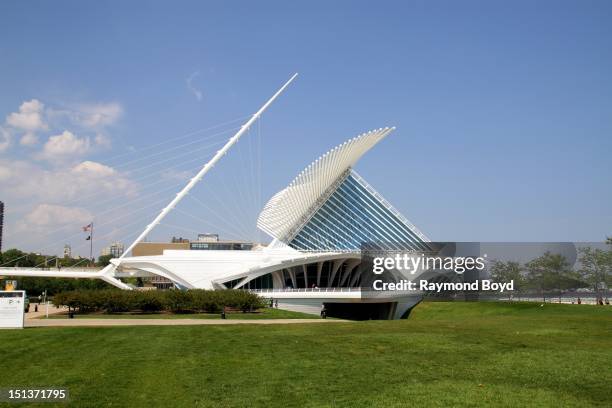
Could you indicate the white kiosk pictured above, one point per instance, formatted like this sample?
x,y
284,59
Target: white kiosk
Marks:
x,y
12,305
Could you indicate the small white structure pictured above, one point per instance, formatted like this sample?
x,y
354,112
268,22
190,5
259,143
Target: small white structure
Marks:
x,y
12,306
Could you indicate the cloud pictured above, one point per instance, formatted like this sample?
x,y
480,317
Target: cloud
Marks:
x,y
29,139
65,145
103,141
87,116
46,206
195,91
27,182
33,117
56,186
99,114
5,139
29,118
49,215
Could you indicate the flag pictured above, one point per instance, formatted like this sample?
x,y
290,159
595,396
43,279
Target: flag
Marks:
x,y
88,238
87,227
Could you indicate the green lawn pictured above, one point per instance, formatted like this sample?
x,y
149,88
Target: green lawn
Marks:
x,y
266,313
445,354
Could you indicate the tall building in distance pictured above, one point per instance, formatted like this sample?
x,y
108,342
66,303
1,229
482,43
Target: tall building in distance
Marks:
x,y
115,249
1,223
67,251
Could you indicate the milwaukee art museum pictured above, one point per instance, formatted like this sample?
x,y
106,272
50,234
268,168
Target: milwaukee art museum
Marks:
x,y
319,225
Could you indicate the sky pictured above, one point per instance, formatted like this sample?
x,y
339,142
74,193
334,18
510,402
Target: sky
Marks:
x,y
503,113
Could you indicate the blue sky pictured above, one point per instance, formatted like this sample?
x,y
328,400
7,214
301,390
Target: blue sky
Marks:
x,y
503,109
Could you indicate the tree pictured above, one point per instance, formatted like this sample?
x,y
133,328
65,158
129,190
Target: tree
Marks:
x,y
596,268
506,272
104,260
549,272
12,257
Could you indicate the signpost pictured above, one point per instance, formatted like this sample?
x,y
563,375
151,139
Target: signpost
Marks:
x,y
12,309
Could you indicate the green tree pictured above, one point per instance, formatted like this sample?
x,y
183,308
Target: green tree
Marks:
x,y
104,260
12,257
506,272
596,268
550,272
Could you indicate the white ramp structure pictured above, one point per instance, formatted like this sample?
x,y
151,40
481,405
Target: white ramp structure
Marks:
x,y
319,224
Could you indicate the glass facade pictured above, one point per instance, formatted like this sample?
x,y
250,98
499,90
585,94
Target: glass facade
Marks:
x,y
353,217
218,246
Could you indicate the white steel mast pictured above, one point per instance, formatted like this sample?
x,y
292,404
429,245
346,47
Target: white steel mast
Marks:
x,y
181,194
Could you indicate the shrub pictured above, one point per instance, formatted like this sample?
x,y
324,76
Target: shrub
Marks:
x,y
178,301
174,301
148,302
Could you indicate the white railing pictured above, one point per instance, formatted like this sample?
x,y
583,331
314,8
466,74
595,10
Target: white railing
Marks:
x,y
6,270
303,290
332,251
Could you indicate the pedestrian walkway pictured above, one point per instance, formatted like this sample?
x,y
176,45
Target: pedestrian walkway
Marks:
x,y
42,311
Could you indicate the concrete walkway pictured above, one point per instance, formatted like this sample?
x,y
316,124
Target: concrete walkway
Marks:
x,y
42,311
84,322
37,319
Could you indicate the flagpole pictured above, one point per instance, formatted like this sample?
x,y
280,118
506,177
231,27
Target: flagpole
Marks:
x,y
91,244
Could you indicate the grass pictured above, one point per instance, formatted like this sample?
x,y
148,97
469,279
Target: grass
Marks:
x,y
266,313
445,354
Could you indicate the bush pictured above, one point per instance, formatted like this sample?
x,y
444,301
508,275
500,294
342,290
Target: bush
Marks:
x,y
148,302
174,301
178,301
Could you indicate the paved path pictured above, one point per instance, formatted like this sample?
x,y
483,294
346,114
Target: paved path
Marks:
x,y
37,319
42,311
84,322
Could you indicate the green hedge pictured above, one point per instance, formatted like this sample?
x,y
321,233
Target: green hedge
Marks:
x,y
175,301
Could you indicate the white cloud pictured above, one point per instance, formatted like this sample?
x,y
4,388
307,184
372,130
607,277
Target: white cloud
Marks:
x,y
34,117
27,182
60,188
103,141
49,215
98,115
48,205
5,139
29,139
195,91
29,118
65,145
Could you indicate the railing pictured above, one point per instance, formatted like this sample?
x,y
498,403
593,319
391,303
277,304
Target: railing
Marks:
x,y
332,251
303,290
8,269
